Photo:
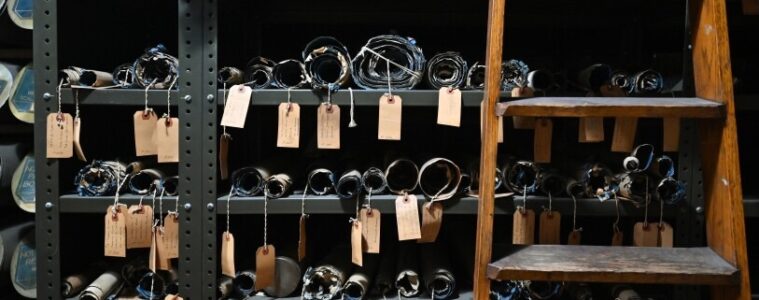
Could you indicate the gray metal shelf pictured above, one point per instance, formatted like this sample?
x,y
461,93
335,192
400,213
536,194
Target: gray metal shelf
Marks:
x,y
466,294
81,204
330,204
117,96
751,207
470,98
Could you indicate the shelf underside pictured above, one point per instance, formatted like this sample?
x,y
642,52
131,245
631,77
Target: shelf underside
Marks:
x,y
307,97
612,107
614,264
118,96
331,204
81,204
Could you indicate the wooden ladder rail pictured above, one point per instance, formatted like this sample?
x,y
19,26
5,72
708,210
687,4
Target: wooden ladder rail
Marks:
x,y
489,148
725,223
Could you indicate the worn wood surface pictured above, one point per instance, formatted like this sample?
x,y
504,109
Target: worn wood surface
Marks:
x,y
623,138
612,107
671,127
488,152
725,228
614,264
543,136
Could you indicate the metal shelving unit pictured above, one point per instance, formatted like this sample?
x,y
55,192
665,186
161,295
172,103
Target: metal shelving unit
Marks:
x,y
51,205
469,98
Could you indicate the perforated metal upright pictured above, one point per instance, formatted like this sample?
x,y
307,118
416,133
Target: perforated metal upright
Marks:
x,y
190,37
210,108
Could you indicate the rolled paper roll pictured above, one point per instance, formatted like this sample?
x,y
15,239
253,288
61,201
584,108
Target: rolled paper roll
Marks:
x,y
349,185
321,181
373,180
24,266
402,175
102,287
439,178
278,186
326,279
244,283
408,277
144,181
290,73
287,276
249,181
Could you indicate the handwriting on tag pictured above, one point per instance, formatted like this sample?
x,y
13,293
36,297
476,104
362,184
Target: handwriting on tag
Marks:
x,y
171,235
390,111
236,108
328,127
432,219
167,140
288,125
523,227
115,232
407,217
356,243
162,261
228,254
645,236
370,222
60,135
139,226
77,141
449,107
144,130
265,266
302,239
550,228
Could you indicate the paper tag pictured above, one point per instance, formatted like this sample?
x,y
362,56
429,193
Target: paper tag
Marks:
x,y
167,140
302,239
139,226
671,134
666,235
618,238
500,129
60,135
574,237
77,142
432,218
144,130
523,227
265,266
173,297
161,260
236,108
449,107
115,232
591,130
407,217
370,222
356,243
153,256
328,127
224,155
543,138
624,134
171,235
550,228
228,254
288,125
645,236
390,118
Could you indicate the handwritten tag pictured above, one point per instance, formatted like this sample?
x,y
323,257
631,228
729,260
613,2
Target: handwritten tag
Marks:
x,y
171,235
236,109
162,261
60,135
302,239
167,140
407,217
390,118
356,243
144,130
265,266
432,219
370,222
574,237
139,226
228,254
449,107
618,238
224,155
666,235
550,228
115,232
288,126
523,227
645,236
77,141
328,127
